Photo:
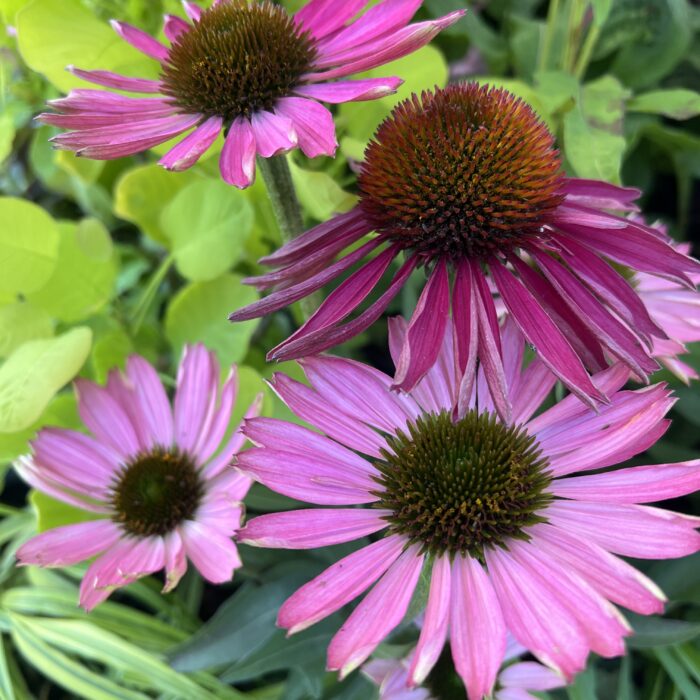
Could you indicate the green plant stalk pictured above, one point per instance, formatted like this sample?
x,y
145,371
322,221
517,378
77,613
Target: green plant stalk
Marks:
x,y
285,205
584,56
149,293
550,31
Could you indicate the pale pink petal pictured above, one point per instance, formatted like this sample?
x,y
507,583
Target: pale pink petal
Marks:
x,y
220,513
188,151
312,123
477,630
140,40
214,555
435,622
192,10
237,161
339,584
350,90
377,615
632,531
273,134
114,80
531,676
311,528
175,560
70,544
215,429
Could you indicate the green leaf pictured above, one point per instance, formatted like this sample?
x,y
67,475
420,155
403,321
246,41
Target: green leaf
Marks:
x,y
603,103
143,192
207,224
20,323
584,686
109,351
199,313
241,626
601,10
85,276
62,670
73,35
7,135
556,89
592,152
319,193
678,674
29,243
654,631
51,513
35,372
676,103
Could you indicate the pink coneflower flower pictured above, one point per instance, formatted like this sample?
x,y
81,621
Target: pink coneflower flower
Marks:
x,y
248,68
155,478
461,182
513,682
513,542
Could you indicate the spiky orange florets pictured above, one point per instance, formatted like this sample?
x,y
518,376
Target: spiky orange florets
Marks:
x,y
467,171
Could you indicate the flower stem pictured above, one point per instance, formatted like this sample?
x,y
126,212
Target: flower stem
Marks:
x,y
584,56
149,293
550,31
278,180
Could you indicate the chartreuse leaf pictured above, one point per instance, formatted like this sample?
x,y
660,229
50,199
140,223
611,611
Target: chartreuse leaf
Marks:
x,y
89,642
7,134
207,224
35,372
51,513
21,322
29,242
73,35
421,70
319,193
199,311
143,192
676,103
85,276
109,351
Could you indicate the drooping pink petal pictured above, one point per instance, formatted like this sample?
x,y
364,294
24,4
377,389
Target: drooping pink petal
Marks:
x,y
435,622
377,615
141,41
316,479
465,317
531,676
175,26
312,123
106,419
193,11
339,584
599,194
632,531
187,152
633,485
214,554
114,80
531,389
312,527
425,331
540,330
609,575
477,630
350,90
274,134
70,544
537,620
322,17
175,560
237,161
92,101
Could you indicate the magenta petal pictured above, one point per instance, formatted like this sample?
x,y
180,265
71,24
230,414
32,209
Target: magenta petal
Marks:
x,y
466,331
70,544
601,195
312,527
377,615
214,554
321,17
339,584
630,530
93,101
174,26
425,331
192,10
114,80
435,622
540,330
140,40
186,153
237,161
312,123
477,630
350,90
274,134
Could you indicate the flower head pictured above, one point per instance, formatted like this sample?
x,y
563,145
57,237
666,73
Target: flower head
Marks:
x,y
513,682
511,541
156,479
465,183
248,68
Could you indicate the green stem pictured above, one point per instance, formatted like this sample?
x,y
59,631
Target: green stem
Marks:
x,y
283,198
149,293
278,180
584,56
550,31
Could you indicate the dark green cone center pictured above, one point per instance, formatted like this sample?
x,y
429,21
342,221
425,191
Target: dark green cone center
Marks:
x,y
239,58
459,487
156,492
